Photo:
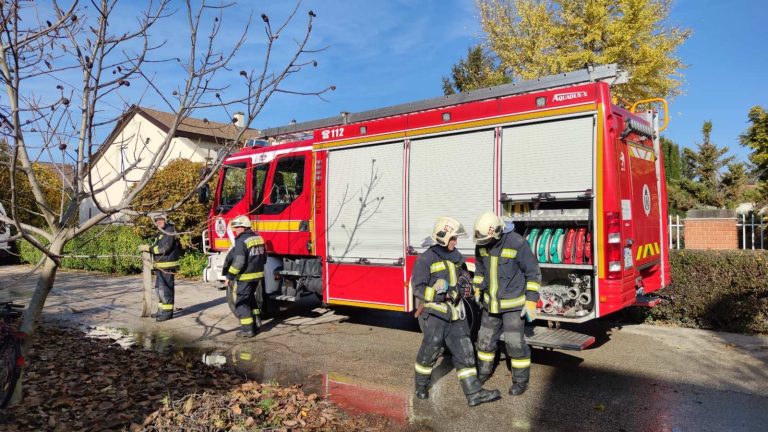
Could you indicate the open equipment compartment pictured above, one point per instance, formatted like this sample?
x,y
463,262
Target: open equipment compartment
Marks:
x,y
559,232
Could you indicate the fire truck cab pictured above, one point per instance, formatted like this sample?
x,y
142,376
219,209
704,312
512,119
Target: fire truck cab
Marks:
x,y
346,204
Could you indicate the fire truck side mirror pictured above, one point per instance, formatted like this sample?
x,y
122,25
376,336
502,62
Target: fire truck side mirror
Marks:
x,y
204,194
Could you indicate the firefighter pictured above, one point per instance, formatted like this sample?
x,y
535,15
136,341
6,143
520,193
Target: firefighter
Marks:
x,y
508,277
434,280
244,267
165,250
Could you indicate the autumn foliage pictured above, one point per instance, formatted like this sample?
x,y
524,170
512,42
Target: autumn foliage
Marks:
x,y
534,38
169,185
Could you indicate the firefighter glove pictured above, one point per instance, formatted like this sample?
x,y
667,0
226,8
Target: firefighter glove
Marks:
x,y
529,311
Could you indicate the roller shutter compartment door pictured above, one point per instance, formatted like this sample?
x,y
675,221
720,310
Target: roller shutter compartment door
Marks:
x,y
449,176
365,203
549,157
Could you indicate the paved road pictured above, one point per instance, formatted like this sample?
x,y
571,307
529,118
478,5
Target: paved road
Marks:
x,y
637,378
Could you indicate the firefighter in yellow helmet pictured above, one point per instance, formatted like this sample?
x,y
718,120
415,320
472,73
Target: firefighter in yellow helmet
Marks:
x,y
244,266
508,277
435,282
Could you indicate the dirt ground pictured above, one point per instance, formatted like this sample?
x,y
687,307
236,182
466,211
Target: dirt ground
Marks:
x,y
73,382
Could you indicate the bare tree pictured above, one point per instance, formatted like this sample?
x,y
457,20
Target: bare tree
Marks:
x,y
64,67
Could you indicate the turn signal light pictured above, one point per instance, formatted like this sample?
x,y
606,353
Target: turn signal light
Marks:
x,y
613,244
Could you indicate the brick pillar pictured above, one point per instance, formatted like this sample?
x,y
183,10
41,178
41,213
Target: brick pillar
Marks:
x,y
711,229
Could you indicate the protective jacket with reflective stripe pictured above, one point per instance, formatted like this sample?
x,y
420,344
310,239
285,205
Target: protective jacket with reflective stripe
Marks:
x,y
434,264
245,261
507,273
165,249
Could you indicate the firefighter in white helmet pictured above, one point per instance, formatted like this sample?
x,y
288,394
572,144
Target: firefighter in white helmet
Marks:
x,y
165,250
435,283
244,266
508,277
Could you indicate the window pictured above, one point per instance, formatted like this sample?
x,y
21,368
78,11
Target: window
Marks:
x,y
288,180
258,177
233,186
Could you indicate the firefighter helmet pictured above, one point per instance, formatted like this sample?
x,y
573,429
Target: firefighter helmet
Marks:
x,y
241,221
159,215
447,228
488,226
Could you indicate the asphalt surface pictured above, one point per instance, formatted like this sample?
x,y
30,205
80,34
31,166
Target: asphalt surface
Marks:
x,y
635,378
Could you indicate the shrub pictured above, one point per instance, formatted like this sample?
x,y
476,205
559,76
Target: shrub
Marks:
x,y
119,243
192,264
168,186
719,290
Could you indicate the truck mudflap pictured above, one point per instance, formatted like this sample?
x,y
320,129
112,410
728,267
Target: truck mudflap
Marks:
x,y
557,338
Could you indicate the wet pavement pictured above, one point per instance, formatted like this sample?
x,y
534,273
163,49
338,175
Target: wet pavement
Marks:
x,y
635,378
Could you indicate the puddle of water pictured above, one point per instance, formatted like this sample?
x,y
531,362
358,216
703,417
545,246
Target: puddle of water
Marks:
x,y
353,396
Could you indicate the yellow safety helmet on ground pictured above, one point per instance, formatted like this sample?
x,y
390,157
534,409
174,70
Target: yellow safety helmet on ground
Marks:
x,y
242,221
447,228
488,226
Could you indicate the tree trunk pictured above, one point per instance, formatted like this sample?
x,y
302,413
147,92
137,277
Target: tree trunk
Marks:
x,y
35,309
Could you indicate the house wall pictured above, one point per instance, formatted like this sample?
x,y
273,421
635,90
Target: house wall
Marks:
x,y
139,140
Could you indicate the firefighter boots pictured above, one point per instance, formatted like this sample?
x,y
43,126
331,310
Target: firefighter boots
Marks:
x,y
483,378
518,388
246,331
160,316
483,396
422,392
256,322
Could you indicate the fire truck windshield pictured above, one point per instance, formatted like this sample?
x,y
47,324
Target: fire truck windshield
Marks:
x,y
233,186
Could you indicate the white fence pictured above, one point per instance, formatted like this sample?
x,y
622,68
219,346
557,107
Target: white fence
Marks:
x,y
751,232
675,232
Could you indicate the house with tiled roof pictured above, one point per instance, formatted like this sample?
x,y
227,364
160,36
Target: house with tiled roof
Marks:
x,y
134,141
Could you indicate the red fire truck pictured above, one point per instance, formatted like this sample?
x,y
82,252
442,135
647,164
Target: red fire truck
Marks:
x,y
345,204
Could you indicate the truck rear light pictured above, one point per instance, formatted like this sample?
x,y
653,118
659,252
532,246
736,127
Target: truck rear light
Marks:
x,y
613,244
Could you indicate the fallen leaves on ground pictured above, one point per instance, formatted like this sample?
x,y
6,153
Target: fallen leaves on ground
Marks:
x,y
73,383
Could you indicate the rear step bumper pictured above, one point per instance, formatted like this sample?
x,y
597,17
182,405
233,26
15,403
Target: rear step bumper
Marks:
x,y
544,337
647,301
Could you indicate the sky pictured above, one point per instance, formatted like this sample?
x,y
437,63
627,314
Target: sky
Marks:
x,y
382,53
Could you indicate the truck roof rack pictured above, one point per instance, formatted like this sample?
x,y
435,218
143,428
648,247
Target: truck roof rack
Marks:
x,y
609,73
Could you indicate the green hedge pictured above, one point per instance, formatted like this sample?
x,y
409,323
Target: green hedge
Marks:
x,y
719,290
121,243
192,264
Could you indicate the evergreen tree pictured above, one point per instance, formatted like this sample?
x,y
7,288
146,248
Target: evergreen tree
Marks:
x,y
733,184
756,138
703,166
672,163
478,70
